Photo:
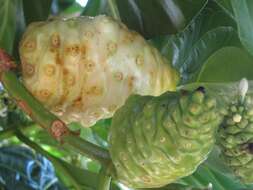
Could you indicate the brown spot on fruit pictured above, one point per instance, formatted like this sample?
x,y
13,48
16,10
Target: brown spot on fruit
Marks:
x,y
58,60
131,81
83,51
71,80
65,71
49,70
118,76
146,179
162,139
111,48
55,40
30,45
58,109
139,60
44,94
88,34
28,69
95,90
128,37
89,65
73,50
77,102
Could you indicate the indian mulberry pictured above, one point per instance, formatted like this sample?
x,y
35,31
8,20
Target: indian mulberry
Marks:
x,y
83,69
236,138
155,141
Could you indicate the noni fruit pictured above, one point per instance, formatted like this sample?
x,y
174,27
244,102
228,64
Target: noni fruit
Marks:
x,y
236,138
155,141
83,69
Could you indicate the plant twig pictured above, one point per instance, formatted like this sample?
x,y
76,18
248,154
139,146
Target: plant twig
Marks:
x,y
43,117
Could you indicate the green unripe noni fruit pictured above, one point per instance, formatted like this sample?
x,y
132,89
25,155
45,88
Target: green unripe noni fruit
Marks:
x,y
236,139
83,69
157,140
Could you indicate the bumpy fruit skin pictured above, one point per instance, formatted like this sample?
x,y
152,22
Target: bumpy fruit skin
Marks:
x,y
236,139
84,68
155,141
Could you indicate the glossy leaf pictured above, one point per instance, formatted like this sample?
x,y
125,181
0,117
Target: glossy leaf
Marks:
x,y
226,65
152,17
20,27
243,14
226,5
8,9
101,131
36,10
74,9
189,49
59,6
94,7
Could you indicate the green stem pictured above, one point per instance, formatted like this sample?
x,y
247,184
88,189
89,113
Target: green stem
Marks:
x,y
61,171
87,149
114,9
45,118
11,132
7,133
104,180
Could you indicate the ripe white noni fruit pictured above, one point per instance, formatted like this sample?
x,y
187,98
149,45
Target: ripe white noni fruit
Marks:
x,y
83,69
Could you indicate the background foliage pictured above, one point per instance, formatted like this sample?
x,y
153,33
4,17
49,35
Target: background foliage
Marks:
x,y
206,40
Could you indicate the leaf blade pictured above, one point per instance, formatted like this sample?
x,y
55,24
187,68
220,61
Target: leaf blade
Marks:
x,y
242,11
7,24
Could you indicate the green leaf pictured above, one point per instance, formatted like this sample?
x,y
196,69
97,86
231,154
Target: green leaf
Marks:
x,y
226,65
101,131
189,50
151,18
226,5
60,6
243,11
74,9
205,175
36,10
95,7
8,9
20,27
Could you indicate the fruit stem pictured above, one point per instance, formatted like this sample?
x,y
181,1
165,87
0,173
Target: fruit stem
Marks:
x,y
43,117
